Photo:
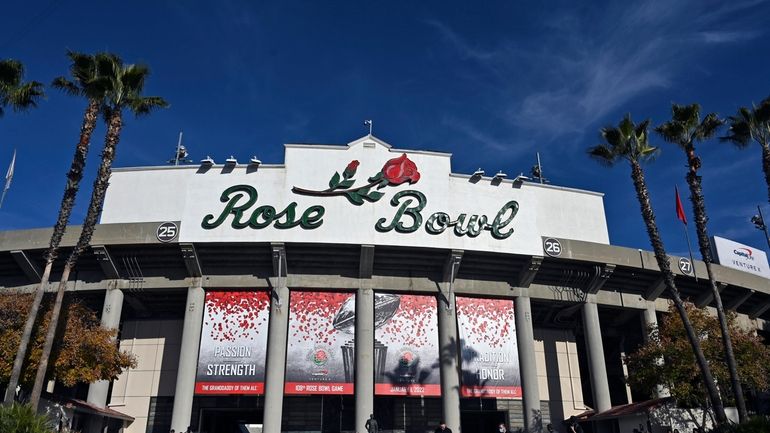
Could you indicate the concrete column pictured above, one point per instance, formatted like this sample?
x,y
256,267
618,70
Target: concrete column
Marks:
x,y
188,357
276,357
98,391
448,347
596,364
650,317
364,386
525,340
111,311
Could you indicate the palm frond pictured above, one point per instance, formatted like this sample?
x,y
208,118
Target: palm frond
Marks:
x,y
762,111
612,136
65,85
709,126
11,72
134,76
671,132
738,133
143,106
25,96
603,155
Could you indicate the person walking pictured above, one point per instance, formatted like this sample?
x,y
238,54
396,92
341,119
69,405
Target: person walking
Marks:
x,y
442,428
371,424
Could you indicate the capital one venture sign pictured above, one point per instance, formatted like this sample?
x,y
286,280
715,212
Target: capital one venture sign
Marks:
x,y
243,210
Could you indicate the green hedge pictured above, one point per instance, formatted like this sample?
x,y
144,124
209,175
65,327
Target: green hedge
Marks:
x,y
23,419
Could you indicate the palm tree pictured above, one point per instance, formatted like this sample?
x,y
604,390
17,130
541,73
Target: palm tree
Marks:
x,y
124,86
14,92
630,142
685,129
753,125
85,82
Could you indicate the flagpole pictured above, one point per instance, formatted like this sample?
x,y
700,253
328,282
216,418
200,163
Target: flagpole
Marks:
x,y
8,178
689,248
680,215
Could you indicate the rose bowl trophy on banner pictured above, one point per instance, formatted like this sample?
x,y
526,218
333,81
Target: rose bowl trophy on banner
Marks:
x,y
385,307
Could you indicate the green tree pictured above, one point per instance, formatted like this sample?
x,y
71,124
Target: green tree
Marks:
x,y
125,84
14,92
679,371
630,142
753,125
84,82
685,129
85,352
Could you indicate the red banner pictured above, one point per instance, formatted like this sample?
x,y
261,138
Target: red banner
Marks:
x,y
317,388
406,350
391,389
244,388
490,359
320,356
231,359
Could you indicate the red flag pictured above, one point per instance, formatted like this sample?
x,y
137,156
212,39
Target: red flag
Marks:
x,y
680,215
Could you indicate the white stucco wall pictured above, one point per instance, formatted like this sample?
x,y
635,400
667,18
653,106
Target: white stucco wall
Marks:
x,y
156,345
188,194
559,373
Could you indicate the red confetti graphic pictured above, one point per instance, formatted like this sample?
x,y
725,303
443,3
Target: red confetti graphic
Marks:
x,y
412,320
235,315
490,320
312,315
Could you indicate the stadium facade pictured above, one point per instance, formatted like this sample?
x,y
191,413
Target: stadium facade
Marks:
x,y
361,279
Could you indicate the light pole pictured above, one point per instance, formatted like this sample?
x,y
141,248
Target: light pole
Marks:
x,y
759,223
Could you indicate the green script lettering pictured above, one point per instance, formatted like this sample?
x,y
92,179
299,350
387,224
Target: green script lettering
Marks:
x,y
240,198
404,209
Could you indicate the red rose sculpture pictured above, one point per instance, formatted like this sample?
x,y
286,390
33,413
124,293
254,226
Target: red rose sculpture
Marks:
x,y
350,170
399,170
395,172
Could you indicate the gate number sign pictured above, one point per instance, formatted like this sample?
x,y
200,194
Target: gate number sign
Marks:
x,y
167,232
685,265
552,247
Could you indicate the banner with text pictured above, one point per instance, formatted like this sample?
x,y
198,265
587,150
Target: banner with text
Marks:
x,y
320,356
406,350
489,356
233,344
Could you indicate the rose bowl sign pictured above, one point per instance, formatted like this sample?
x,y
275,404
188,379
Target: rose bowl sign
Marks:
x,y
362,193
240,204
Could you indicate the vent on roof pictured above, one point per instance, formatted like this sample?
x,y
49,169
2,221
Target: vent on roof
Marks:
x,y
369,144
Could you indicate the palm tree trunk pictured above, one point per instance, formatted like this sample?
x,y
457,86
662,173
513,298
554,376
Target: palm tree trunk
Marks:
x,y
699,209
114,126
42,367
766,162
74,176
637,175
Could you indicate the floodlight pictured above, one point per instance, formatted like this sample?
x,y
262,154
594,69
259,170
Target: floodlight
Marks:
x,y
478,173
207,161
500,175
255,161
231,160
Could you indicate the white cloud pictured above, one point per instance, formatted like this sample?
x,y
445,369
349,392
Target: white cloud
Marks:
x,y
586,65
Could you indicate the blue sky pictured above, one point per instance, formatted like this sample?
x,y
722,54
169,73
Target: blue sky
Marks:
x,y
491,82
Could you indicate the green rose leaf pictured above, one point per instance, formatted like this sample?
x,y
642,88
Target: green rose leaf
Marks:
x,y
354,198
383,183
376,177
334,181
347,183
374,195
